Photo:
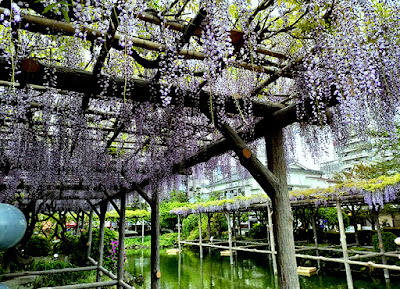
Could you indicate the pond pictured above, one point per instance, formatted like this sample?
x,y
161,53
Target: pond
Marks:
x,y
250,271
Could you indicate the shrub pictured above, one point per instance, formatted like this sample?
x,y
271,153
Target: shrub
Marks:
x,y
55,279
258,231
388,241
188,225
37,246
78,256
168,240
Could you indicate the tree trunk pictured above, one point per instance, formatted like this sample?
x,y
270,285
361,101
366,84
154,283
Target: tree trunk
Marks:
x,y
282,216
155,240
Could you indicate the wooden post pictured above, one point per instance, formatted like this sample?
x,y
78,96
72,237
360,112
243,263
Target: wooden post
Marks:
x,y
78,224
240,221
142,231
234,228
121,243
228,219
282,217
83,221
179,233
272,241
90,233
155,241
381,248
344,246
103,210
208,226
315,233
200,238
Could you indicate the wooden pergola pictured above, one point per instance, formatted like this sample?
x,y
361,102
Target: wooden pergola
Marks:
x,y
313,202
91,86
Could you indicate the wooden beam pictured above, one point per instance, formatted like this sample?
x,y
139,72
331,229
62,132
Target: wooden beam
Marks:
x,y
87,83
48,272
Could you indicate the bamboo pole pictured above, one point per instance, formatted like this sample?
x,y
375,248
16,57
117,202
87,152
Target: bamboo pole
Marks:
x,y
344,246
121,243
200,238
48,272
314,228
227,215
90,233
381,248
142,231
227,248
103,210
179,233
272,241
85,285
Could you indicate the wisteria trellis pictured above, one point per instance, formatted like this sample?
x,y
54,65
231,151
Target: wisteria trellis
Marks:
x,y
346,50
101,97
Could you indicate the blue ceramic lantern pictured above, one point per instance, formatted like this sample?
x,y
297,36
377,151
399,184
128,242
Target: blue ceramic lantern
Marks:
x,y
12,226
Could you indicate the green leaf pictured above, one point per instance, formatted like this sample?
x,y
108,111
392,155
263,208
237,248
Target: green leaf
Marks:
x,y
49,7
65,14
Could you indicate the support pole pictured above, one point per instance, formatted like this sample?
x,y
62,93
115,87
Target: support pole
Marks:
x,y
272,241
381,248
103,210
344,246
315,233
90,233
234,227
208,226
200,238
142,231
240,221
155,241
121,243
228,219
282,217
78,224
179,233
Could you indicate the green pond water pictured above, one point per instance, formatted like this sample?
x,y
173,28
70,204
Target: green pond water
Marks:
x,y
250,271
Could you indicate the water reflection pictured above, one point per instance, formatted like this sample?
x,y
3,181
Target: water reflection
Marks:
x,y
188,271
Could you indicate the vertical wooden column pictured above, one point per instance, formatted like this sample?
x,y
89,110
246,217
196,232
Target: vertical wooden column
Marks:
x,y
228,219
272,241
315,233
208,226
90,234
142,231
282,217
381,248
121,243
200,238
83,221
78,224
103,210
179,233
240,221
155,241
344,246
234,228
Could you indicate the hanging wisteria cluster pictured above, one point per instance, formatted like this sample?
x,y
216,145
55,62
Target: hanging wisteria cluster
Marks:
x,y
375,192
99,95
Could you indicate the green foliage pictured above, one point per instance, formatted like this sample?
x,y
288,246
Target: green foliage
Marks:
x,y
37,246
388,241
216,195
178,197
130,215
168,220
66,246
168,240
52,280
258,231
78,256
188,225
331,217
